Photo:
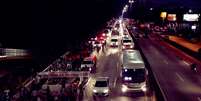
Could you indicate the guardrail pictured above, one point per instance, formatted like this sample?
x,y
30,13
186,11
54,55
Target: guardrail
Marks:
x,y
63,74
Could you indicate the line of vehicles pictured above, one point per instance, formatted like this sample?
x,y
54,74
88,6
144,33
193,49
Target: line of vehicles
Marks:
x,y
133,69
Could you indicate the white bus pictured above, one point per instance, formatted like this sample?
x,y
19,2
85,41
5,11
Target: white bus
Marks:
x,y
133,73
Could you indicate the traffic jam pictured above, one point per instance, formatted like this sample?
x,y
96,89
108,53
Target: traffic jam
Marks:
x,y
68,77
133,71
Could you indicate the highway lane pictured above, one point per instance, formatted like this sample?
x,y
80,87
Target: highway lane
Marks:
x,y
174,76
109,65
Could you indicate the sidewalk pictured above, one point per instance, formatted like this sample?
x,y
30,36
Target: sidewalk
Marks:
x,y
195,47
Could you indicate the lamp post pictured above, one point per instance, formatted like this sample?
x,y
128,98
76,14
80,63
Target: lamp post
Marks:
x,y
125,9
131,2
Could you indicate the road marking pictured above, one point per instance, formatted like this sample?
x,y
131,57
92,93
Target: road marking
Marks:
x,y
115,82
199,99
165,61
179,76
186,63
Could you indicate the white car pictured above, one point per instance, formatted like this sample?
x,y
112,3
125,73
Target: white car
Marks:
x,y
101,86
114,42
88,64
127,43
97,44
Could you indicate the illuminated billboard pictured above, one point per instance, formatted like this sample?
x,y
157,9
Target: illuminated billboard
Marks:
x,y
171,17
191,17
163,15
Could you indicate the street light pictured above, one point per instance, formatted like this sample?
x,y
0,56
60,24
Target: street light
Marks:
x,y
126,6
124,10
131,1
190,11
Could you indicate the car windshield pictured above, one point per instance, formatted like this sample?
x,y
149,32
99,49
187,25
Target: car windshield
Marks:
x,y
126,41
101,84
87,62
138,75
114,40
97,42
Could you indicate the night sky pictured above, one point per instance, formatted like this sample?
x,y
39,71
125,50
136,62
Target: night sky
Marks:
x,y
29,24
194,4
55,25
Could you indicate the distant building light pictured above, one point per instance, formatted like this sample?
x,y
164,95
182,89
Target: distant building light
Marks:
x,y
163,15
171,17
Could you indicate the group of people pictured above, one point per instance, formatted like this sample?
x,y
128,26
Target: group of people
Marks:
x,y
37,93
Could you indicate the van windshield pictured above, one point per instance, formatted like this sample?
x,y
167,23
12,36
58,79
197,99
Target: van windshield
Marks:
x,y
126,41
114,40
87,62
101,84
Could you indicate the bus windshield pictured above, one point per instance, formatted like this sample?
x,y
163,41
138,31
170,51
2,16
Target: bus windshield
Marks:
x,y
137,75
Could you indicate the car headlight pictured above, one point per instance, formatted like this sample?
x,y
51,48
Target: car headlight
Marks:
x,y
144,88
106,91
127,78
94,91
131,46
124,88
124,47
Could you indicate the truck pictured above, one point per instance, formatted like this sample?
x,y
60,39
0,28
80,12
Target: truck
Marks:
x,y
133,72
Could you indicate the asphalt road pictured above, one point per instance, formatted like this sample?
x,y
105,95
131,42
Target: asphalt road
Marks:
x,y
108,65
174,76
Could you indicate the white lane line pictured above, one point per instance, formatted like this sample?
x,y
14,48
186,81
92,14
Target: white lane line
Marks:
x,y
179,76
199,99
186,63
115,82
165,61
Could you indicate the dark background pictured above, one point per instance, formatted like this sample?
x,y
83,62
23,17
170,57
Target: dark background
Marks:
x,y
48,28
